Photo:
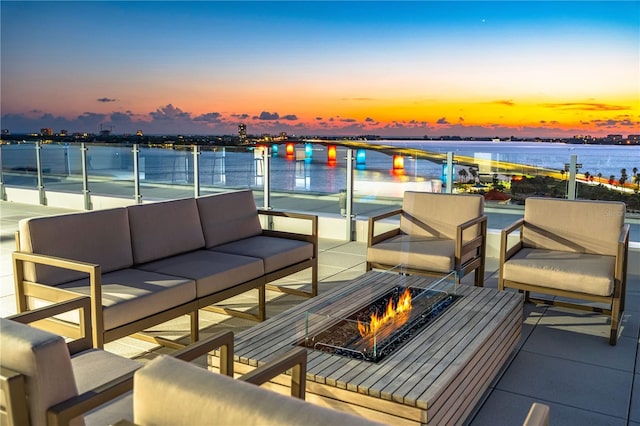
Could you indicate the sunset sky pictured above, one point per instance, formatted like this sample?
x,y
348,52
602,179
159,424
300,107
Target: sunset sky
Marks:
x,y
541,68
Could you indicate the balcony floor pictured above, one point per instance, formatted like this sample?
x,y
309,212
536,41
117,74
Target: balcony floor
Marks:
x,y
563,359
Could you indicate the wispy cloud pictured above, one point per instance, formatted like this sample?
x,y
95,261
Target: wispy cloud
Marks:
x,y
505,102
105,100
586,106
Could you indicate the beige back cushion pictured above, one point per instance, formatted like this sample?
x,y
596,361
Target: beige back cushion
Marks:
x,y
192,396
100,236
43,358
573,225
437,215
164,229
229,216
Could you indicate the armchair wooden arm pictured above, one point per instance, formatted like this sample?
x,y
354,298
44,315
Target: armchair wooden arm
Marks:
x,y
61,414
475,245
296,360
372,237
538,415
82,303
25,289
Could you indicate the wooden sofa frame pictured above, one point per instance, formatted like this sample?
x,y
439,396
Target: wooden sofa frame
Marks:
x,y
25,289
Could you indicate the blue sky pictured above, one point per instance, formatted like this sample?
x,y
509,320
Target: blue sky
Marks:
x,y
390,68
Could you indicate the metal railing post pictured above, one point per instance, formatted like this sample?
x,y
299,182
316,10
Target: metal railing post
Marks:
x,y
449,175
266,155
196,171
136,174
41,194
573,171
349,216
3,194
85,177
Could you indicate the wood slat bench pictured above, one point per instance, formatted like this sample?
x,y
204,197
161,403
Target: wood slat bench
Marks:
x,y
437,377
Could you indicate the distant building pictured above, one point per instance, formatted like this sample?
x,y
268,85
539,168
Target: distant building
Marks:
x,y
242,132
139,133
63,132
5,132
634,139
46,131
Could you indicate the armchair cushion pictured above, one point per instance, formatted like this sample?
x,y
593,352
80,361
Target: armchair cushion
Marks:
x,y
575,225
418,252
437,215
193,397
100,236
44,360
565,270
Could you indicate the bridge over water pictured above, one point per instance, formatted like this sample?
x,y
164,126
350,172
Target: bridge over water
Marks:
x,y
499,167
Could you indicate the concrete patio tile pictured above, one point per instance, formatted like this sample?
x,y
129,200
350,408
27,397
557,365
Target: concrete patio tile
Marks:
x,y
583,386
340,260
634,414
508,409
584,322
581,347
341,246
8,305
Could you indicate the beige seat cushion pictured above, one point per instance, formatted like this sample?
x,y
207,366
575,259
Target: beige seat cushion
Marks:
x,y
580,272
132,294
100,236
43,358
164,229
227,217
211,271
419,252
192,396
93,368
277,253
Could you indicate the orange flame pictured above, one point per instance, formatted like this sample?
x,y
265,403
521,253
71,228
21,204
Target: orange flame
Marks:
x,y
377,321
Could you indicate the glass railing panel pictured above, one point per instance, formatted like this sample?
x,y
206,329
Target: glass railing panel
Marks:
x,y
59,169
110,170
19,165
307,177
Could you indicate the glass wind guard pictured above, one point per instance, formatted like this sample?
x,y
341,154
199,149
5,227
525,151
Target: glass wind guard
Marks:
x,y
371,328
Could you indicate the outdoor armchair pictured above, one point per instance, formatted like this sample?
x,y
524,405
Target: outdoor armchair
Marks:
x,y
437,233
45,380
192,396
573,249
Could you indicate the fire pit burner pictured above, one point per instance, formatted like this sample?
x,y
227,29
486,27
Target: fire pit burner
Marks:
x,y
376,330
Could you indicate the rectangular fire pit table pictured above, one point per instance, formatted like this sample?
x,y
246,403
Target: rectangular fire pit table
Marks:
x,y
436,377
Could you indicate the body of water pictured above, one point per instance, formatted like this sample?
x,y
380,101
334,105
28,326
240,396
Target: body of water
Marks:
x,y
311,173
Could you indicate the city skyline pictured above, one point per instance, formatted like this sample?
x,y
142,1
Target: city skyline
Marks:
x,y
524,69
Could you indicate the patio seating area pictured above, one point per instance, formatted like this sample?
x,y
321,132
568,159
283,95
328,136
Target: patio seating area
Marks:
x,y
563,359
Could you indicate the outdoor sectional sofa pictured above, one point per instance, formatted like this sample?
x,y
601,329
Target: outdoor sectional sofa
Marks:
x,y
145,264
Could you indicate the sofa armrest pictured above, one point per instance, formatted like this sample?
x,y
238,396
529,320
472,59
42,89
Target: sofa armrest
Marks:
x,y
296,360
311,236
25,288
82,303
375,239
222,340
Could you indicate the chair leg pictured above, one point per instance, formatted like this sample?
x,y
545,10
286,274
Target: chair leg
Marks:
x,y
616,316
195,326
